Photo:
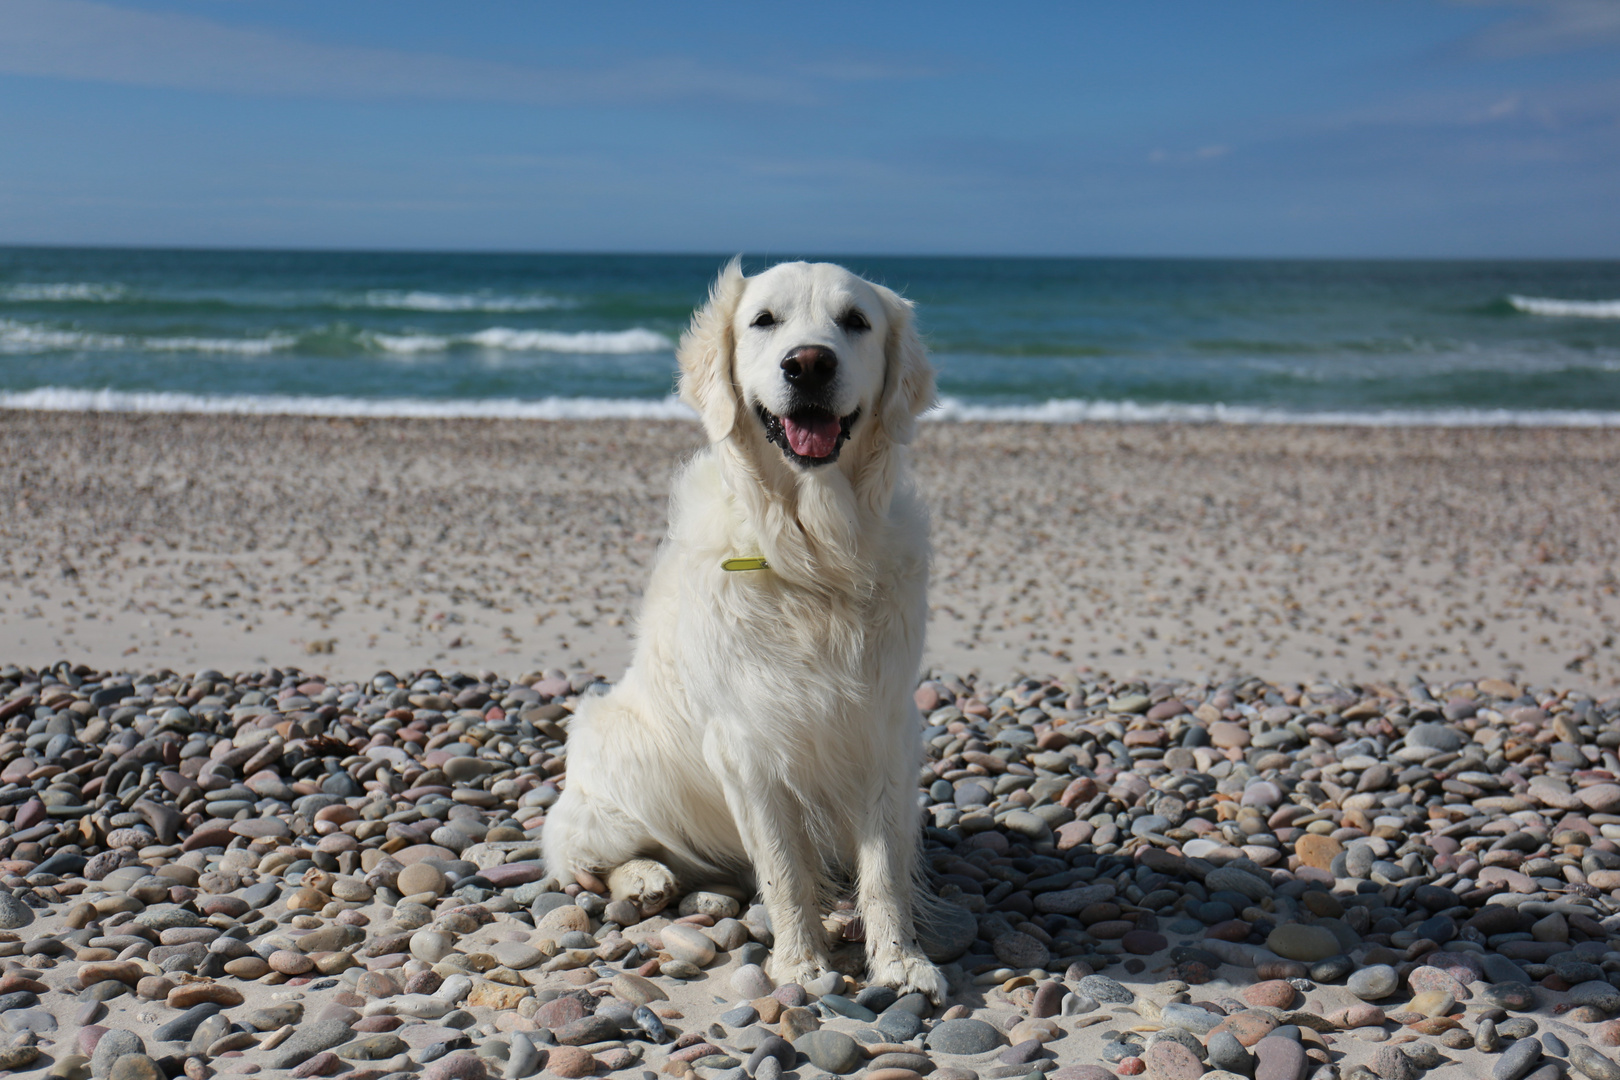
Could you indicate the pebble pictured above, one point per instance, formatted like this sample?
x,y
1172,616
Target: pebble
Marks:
x,y
1590,1063
571,1061
1517,1060
899,1025
1172,1061
310,1039
1047,824
1389,1063
1373,983
830,1050
771,1047
688,944
421,877
457,1066
1597,993
112,1044
1515,997
1271,994
18,1058
1431,1003
750,981
135,1067
963,1037
1104,989
1299,942
1279,1058
1225,1052
14,914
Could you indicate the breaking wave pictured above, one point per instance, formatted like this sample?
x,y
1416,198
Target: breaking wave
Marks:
x,y
1069,411
1075,411
625,342
68,399
418,300
21,338
1566,309
74,292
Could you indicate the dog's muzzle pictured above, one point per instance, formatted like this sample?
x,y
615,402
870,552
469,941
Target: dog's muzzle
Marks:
x,y
809,436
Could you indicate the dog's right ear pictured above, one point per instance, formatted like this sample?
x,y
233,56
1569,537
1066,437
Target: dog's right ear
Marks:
x,y
707,383
908,389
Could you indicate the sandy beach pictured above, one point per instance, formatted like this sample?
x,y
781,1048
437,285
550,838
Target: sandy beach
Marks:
x,y
228,844
1201,551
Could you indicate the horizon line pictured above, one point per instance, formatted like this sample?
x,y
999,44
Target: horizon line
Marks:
x,y
768,254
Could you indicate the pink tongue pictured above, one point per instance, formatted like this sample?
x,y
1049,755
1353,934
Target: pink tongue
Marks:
x,y
812,436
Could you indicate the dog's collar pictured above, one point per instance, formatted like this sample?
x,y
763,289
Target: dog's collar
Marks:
x,y
745,562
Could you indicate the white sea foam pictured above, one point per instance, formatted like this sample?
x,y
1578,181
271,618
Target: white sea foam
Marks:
x,y
69,399
16,337
636,340
24,338
625,342
240,346
1075,411
416,300
408,343
24,292
1566,309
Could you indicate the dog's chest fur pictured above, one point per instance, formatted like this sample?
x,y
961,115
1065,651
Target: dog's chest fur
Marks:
x,y
842,719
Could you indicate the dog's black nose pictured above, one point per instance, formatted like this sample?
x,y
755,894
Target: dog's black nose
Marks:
x,y
810,367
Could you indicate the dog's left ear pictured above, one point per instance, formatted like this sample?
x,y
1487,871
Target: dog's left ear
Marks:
x,y
705,355
908,379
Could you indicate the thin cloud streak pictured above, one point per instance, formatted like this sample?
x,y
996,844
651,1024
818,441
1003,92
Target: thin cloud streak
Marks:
x,y
1546,28
86,40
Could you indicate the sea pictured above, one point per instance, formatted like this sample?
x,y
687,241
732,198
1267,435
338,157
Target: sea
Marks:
x,y
348,333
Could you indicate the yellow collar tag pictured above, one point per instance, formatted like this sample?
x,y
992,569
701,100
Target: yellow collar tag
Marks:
x,y
749,562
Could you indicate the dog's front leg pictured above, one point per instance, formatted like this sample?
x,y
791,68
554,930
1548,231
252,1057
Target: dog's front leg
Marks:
x,y
886,875
771,824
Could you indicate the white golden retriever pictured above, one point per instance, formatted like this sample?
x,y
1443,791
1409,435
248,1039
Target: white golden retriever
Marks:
x,y
765,729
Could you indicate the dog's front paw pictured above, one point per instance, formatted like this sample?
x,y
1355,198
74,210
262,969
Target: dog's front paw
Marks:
x,y
646,883
797,967
910,973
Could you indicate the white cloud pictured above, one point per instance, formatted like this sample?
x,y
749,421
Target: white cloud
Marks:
x,y
88,40
1213,152
1546,27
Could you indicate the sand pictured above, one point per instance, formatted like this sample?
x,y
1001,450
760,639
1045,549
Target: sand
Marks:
x,y
1360,555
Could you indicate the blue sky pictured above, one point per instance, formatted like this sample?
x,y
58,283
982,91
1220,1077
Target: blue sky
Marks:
x,y
1327,127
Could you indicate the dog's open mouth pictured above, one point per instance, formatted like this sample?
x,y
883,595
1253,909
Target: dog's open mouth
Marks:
x,y
808,436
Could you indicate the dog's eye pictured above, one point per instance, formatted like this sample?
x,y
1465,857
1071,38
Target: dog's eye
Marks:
x,y
764,320
854,322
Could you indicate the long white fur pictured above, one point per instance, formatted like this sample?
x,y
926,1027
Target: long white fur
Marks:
x,y
765,728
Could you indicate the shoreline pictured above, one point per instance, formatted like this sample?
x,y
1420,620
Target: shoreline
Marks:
x,y
1180,550
949,410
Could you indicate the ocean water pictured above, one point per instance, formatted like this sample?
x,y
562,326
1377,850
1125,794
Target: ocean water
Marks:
x,y
1059,340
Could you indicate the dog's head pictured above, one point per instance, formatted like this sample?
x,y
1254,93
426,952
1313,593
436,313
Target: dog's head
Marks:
x,y
809,354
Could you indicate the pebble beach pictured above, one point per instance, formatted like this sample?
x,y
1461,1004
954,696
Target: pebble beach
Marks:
x,y
1348,806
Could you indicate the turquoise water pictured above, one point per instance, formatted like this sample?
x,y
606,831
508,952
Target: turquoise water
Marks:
x,y
1054,339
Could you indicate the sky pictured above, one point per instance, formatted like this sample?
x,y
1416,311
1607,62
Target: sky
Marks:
x,y
1333,128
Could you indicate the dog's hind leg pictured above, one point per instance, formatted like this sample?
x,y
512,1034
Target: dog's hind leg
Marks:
x,y
586,833
646,883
